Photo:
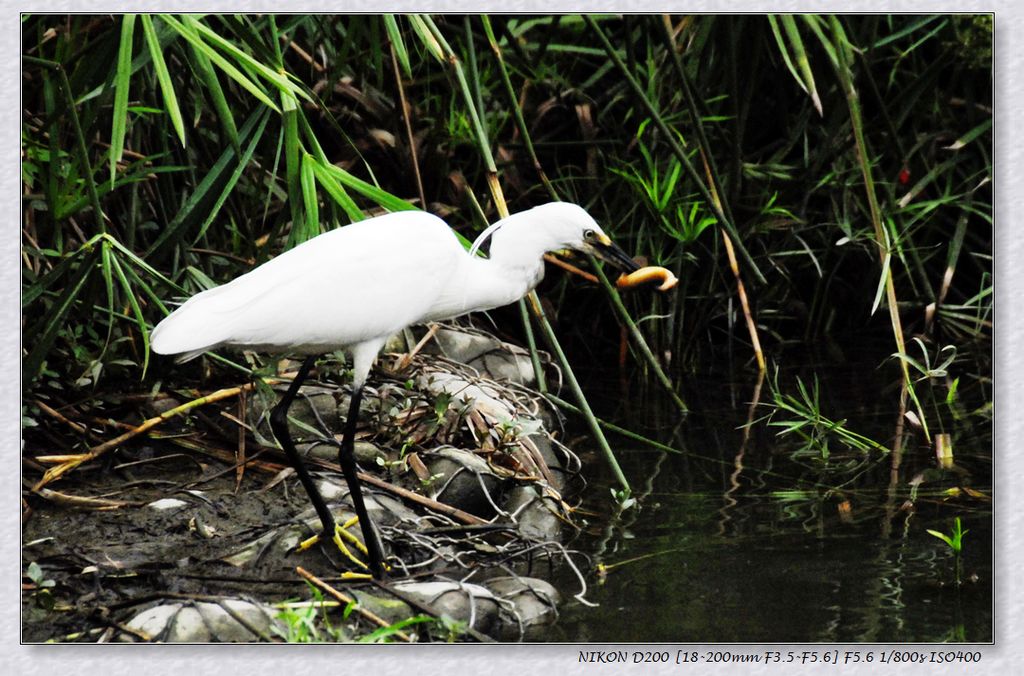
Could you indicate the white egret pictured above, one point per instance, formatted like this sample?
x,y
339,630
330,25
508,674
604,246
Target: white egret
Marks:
x,y
353,287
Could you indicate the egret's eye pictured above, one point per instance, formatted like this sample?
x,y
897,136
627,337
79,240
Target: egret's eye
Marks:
x,y
589,235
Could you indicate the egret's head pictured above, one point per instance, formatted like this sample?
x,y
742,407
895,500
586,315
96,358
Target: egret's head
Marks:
x,y
553,227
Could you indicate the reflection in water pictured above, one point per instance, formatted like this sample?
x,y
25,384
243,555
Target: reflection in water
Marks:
x,y
742,539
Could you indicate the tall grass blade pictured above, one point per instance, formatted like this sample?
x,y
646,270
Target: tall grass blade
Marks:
x,y
163,76
243,163
395,36
192,211
215,57
287,88
122,82
797,43
140,319
337,192
220,102
46,330
380,196
309,200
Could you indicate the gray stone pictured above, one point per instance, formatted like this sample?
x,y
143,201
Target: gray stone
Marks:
x,y
389,608
487,354
230,621
535,603
507,365
464,346
469,603
483,397
545,447
464,480
313,401
535,515
316,407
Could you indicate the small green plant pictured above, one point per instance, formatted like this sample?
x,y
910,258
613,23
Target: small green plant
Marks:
x,y
945,357
43,596
806,421
623,497
300,621
955,542
385,634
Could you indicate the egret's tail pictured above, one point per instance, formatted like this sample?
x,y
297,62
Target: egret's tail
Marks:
x,y
187,332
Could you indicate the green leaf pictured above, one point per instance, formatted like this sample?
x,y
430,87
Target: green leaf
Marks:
x,y
942,536
337,192
426,37
122,81
140,320
193,209
287,88
308,181
222,63
971,135
108,282
800,54
292,169
46,330
163,76
243,162
224,114
883,278
378,195
395,36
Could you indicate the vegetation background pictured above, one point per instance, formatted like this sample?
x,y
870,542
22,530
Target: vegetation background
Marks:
x,y
810,179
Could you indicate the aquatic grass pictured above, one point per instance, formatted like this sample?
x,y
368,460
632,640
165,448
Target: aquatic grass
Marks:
x,y
955,543
799,415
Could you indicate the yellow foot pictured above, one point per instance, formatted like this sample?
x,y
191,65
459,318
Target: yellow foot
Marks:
x,y
341,536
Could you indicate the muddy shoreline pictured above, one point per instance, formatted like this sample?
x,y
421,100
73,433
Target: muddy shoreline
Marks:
x,y
188,533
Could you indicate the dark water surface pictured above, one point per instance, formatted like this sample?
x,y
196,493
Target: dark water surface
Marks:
x,y
747,538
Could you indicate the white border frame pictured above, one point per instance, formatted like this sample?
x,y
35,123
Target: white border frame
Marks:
x,y
260,660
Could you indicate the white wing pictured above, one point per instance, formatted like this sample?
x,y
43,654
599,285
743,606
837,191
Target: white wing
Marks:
x,y
361,282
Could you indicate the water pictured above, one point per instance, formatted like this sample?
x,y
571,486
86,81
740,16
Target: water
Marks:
x,y
744,538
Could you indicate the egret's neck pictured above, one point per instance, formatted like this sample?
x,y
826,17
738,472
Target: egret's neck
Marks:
x,y
486,283
502,280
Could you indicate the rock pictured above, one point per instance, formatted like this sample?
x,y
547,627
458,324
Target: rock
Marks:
x,y
535,602
316,406
387,607
464,480
487,354
484,398
230,621
470,603
464,346
535,515
508,364
317,450
545,448
367,453
167,503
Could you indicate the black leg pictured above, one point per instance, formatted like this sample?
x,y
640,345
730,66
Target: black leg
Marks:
x,y
347,460
279,424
